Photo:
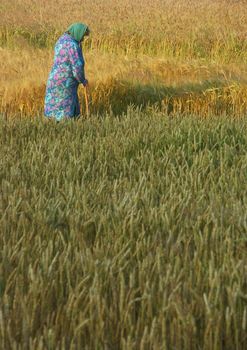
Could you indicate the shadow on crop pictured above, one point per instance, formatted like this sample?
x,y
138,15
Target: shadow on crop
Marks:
x,y
209,96
115,96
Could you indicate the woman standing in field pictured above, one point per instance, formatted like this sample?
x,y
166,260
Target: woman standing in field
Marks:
x,y
61,100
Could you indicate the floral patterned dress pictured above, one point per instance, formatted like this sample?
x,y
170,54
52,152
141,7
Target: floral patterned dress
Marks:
x,y
61,100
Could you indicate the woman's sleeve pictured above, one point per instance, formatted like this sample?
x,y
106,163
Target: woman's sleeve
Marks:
x,y
77,63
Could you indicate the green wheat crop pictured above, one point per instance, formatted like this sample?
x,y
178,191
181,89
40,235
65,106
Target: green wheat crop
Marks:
x,y
123,233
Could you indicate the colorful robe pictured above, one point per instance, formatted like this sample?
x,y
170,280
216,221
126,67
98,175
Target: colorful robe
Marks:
x,y
61,100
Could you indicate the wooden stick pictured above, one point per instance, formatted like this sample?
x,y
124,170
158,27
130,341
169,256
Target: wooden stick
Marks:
x,y
86,101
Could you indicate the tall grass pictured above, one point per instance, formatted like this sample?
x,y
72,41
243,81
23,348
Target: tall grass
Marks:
x,y
227,47
123,233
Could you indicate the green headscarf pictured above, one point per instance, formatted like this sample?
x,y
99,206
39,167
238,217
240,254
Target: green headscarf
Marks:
x,y
77,31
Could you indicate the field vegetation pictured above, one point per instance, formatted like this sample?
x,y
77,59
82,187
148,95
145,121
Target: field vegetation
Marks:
x,y
184,56
126,230
124,233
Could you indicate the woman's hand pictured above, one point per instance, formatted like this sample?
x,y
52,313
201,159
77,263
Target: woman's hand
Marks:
x,y
85,82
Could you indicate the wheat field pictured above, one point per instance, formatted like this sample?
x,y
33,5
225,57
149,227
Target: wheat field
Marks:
x,y
183,56
132,237
125,230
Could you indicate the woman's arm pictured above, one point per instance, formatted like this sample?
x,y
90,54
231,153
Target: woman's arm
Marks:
x,y
77,63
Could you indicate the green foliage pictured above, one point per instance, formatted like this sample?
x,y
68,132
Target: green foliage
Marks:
x,y
196,45
123,233
16,37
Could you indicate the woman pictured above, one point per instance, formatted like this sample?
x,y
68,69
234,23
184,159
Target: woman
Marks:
x,y
61,100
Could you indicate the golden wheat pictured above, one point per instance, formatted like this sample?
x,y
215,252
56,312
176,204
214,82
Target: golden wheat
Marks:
x,y
134,45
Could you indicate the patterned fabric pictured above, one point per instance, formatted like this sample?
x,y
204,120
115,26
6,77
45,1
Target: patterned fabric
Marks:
x,y
67,73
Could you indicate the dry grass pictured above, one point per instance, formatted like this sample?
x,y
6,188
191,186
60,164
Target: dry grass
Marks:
x,y
115,82
178,54
162,18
